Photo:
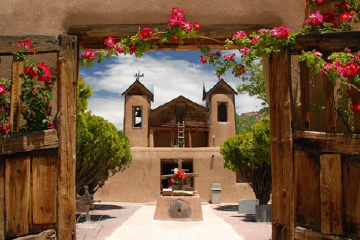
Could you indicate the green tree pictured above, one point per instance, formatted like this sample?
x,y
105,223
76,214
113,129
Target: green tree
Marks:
x,y
101,149
249,155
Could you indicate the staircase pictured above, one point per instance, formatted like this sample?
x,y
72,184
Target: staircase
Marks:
x,y
181,134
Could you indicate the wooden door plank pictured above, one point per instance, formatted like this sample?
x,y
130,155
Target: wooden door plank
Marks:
x,y
355,98
330,104
307,189
17,194
281,147
304,96
351,176
331,194
2,197
66,124
44,192
309,234
15,104
42,44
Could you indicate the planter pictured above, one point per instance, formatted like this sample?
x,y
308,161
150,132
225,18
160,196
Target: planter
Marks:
x,y
263,213
248,205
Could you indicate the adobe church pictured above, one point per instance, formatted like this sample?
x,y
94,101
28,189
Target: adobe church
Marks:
x,y
179,129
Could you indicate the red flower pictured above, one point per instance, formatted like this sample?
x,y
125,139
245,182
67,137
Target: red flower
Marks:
x,y
33,88
110,41
31,72
239,34
239,70
203,60
281,32
315,19
255,39
197,26
26,44
346,16
343,5
132,48
357,107
89,54
50,125
329,17
44,73
145,34
119,49
2,88
320,2
48,89
230,57
349,70
174,38
4,129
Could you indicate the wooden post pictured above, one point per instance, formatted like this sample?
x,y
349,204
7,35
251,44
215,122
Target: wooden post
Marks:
x,y
282,165
355,97
15,103
190,140
2,198
66,125
330,104
304,96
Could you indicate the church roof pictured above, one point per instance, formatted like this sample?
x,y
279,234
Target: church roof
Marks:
x,y
148,88
210,86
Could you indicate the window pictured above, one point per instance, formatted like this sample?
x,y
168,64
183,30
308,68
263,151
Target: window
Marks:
x,y
137,116
222,112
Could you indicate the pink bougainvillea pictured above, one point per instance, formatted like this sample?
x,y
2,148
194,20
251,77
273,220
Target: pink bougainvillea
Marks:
x,y
239,34
89,54
315,19
2,88
110,41
281,32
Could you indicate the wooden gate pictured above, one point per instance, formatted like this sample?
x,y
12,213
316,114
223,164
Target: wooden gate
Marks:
x,y
37,169
315,167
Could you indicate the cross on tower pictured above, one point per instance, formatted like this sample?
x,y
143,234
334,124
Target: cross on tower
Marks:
x,y
138,76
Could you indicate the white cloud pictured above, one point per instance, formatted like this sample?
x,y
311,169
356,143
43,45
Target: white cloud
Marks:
x,y
171,78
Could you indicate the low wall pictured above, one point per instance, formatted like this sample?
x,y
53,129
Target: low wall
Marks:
x,y
141,181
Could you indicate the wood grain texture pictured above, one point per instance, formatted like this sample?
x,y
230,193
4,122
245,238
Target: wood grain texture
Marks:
x,y
281,147
330,104
355,98
308,234
29,141
45,235
2,197
15,104
17,195
328,142
42,43
66,122
351,180
304,96
93,36
44,192
331,193
307,189
327,42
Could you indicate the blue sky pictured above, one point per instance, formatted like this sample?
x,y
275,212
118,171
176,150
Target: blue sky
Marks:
x,y
173,73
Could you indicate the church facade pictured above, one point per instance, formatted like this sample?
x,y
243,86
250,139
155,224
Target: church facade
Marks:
x,y
179,129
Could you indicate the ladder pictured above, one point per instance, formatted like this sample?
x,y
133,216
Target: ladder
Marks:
x,y
181,134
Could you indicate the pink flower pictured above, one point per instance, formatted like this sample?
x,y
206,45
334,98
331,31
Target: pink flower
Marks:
x,y
186,25
44,73
357,107
89,54
329,17
197,26
174,38
132,48
346,16
26,44
203,60
244,51
51,125
176,17
239,34
281,32
31,72
119,49
2,88
315,19
328,66
317,53
110,41
320,2
350,70
231,57
145,34
255,39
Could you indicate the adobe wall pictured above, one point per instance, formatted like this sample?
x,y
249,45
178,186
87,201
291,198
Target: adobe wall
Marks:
x,y
141,181
19,17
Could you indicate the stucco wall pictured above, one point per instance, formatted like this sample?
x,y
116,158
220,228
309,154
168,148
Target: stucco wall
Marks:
x,y
20,17
141,181
221,130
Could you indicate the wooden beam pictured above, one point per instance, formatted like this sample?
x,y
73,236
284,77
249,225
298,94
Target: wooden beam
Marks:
x,y
281,147
93,36
328,142
66,122
331,194
174,129
304,96
15,102
2,198
327,42
28,141
306,234
40,42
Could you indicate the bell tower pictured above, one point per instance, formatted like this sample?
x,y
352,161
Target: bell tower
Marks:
x,y
220,100
138,98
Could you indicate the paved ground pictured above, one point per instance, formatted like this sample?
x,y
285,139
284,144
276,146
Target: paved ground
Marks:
x,y
127,221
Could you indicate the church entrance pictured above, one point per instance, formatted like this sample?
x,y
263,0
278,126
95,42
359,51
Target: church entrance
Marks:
x,y
168,166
